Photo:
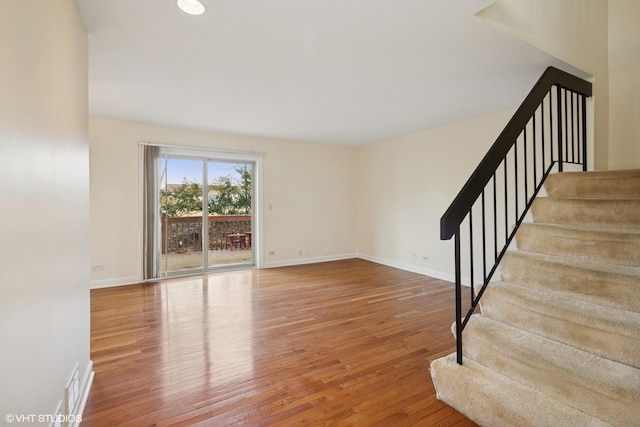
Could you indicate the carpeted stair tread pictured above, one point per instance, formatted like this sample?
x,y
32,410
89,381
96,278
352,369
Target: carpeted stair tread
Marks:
x,y
558,340
605,331
587,382
599,283
618,247
492,399
618,213
595,185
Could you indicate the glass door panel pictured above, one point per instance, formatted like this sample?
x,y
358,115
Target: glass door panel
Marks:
x,y
180,203
230,199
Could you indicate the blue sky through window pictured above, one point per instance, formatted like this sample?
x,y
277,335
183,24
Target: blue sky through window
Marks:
x,y
178,169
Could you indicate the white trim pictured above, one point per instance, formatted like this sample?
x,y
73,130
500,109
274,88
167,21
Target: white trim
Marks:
x,y
414,269
409,267
312,260
140,237
87,381
258,218
123,281
109,283
254,157
58,412
218,153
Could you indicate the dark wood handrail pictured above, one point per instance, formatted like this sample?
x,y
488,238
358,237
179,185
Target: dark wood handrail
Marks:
x,y
461,205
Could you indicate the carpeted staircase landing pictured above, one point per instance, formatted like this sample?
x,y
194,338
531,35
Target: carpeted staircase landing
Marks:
x,y
558,340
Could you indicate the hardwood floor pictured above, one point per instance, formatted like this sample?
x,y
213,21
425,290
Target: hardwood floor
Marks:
x,y
339,343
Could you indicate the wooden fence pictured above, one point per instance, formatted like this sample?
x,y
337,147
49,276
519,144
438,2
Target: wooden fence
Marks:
x,y
183,234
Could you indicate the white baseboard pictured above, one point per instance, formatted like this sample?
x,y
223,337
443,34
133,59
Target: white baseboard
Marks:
x,y
309,260
399,265
97,284
408,267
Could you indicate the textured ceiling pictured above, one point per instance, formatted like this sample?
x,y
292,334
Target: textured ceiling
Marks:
x,y
345,72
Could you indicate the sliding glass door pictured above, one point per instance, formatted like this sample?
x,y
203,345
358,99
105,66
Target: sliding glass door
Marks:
x,y
230,204
181,213
204,210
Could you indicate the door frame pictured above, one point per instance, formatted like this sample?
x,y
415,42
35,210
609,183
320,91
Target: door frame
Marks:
x,y
220,155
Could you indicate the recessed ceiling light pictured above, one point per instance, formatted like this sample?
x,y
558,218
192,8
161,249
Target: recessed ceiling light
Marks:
x,y
192,7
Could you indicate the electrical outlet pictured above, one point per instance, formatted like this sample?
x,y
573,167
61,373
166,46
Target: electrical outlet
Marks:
x,y
272,253
98,267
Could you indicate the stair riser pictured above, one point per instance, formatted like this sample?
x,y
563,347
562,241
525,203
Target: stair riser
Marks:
x,y
606,288
604,185
614,334
490,399
619,214
595,246
587,382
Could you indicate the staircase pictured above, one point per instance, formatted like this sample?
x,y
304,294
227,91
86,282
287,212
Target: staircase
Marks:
x,y
558,340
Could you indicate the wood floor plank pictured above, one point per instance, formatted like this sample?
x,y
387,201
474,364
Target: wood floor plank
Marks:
x,y
339,343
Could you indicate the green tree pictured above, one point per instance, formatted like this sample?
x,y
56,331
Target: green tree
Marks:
x,y
181,199
243,202
232,196
223,200
227,196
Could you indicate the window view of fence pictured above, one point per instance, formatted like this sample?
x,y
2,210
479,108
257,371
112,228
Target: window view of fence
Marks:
x,y
194,189
226,232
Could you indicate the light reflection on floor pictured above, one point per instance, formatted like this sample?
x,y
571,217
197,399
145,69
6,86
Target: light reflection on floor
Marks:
x,y
216,315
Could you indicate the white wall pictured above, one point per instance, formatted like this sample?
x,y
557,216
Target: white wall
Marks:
x,y
406,184
310,188
624,86
392,199
382,201
602,38
44,194
575,31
